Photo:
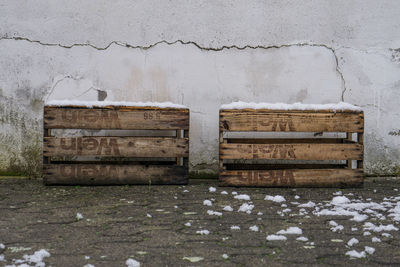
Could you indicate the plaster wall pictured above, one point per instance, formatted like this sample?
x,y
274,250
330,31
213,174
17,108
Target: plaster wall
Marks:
x,y
201,54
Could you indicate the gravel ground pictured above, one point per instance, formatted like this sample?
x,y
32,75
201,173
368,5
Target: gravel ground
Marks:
x,y
172,226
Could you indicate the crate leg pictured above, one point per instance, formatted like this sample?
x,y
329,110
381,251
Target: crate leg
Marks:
x,y
349,137
179,134
221,141
46,133
360,140
186,160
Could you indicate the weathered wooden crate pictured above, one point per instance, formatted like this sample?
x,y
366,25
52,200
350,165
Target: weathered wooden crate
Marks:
x,y
112,160
291,151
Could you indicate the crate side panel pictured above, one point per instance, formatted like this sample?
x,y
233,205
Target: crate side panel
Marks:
x,y
103,174
292,151
267,121
116,118
116,146
292,178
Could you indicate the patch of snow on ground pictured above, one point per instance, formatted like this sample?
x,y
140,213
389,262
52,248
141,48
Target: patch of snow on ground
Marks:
x,y
366,233
369,250
212,189
216,213
132,263
224,193
355,254
235,227
276,237
309,204
352,242
242,197
386,235
372,227
354,229
234,193
79,216
228,208
302,238
2,246
203,232
2,257
245,207
225,256
277,198
149,215
207,202
254,228
375,240
296,197
188,224
293,230
340,200
86,265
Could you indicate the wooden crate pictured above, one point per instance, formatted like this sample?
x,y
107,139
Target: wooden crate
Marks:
x,y
117,159
292,151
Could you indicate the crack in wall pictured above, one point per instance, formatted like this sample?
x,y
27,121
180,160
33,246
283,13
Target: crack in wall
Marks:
x,y
215,49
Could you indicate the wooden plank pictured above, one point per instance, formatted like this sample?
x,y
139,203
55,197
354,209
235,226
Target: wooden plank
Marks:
x,y
116,146
97,174
292,151
116,118
243,166
267,121
292,178
287,141
360,140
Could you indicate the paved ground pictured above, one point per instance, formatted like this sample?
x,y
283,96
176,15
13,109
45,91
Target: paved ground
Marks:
x,y
148,224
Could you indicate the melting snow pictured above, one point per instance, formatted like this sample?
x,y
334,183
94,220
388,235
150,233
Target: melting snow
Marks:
x,y
245,207
242,197
375,240
275,198
79,216
355,254
235,227
380,228
203,232
216,213
254,228
207,202
132,263
212,189
188,224
228,208
352,242
309,204
295,106
302,238
291,231
224,193
369,250
91,104
225,256
276,237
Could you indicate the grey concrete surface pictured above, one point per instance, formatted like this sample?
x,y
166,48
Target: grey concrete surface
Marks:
x,y
116,225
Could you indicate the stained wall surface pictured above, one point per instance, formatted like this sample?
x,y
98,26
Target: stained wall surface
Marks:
x,y
201,54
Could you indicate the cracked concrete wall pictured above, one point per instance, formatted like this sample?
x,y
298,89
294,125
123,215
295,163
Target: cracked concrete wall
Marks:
x,y
200,54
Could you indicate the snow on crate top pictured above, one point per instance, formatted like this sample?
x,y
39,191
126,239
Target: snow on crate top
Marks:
x,y
296,106
90,104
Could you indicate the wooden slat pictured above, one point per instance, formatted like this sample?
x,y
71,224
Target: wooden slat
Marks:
x,y
287,141
243,166
268,121
97,174
292,151
292,178
116,118
116,146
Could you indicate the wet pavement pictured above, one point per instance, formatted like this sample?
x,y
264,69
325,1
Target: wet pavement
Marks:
x,y
174,226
